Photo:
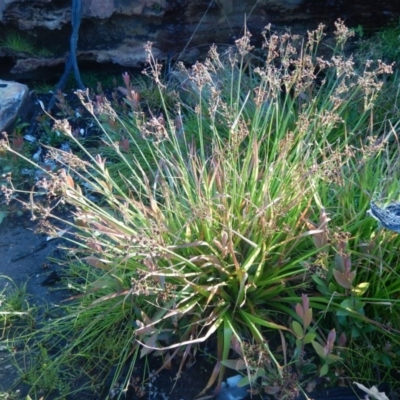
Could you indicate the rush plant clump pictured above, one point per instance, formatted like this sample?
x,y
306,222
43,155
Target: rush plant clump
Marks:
x,y
239,215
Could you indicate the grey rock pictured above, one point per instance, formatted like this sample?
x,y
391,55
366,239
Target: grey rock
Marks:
x,y
115,31
14,102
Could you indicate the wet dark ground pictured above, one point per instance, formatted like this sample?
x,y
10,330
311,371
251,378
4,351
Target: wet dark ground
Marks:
x,y
24,258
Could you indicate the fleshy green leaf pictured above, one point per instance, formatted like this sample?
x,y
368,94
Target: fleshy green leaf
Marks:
x,y
332,287
297,329
309,338
324,370
349,306
318,349
360,289
332,358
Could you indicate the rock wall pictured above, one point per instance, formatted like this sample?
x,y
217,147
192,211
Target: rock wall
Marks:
x,y
114,31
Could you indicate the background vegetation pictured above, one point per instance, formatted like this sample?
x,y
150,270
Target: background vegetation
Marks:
x,y
228,204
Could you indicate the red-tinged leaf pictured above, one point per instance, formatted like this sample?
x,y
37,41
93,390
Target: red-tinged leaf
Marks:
x,y
70,182
331,338
17,142
342,279
347,262
306,302
307,318
299,311
351,276
320,236
342,339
